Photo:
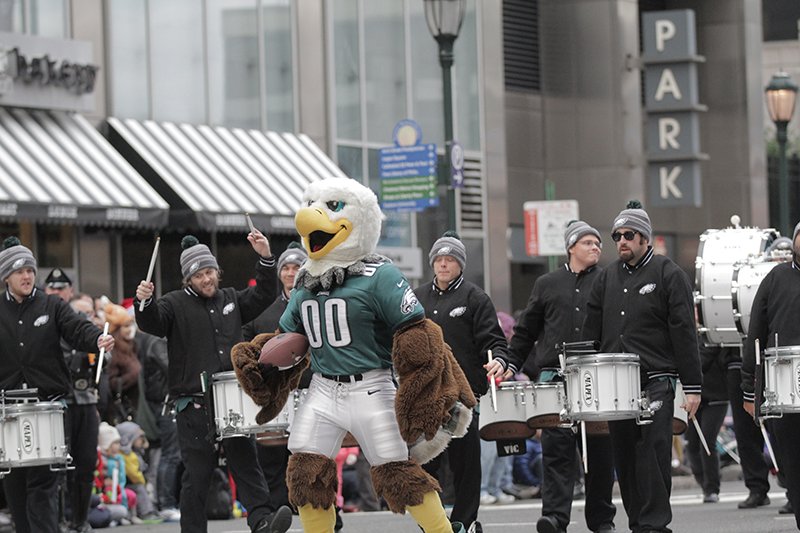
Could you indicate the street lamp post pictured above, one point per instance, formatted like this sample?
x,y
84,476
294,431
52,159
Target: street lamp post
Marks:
x,y
781,94
444,18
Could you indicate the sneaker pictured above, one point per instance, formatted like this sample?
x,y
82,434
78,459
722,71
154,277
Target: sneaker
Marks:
x,y
124,522
548,524
458,527
83,528
505,499
711,498
151,518
488,499
754,500
476,527
171,515
277,522
136,521
786,508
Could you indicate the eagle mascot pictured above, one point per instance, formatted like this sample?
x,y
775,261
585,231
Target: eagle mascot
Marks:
x,y
365,328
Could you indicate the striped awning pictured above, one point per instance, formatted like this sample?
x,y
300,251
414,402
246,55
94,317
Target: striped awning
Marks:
x,y
55,167
212,176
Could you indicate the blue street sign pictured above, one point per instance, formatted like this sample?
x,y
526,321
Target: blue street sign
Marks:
x,y
408,161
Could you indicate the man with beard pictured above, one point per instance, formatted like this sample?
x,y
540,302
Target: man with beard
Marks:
x,y
202,322
774,317
643,304
32,325
554,314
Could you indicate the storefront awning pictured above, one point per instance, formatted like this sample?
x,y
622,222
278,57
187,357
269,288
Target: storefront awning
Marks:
x,y
56,168
212,176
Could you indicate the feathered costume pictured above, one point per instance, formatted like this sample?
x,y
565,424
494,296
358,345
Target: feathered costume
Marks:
x,y
362,319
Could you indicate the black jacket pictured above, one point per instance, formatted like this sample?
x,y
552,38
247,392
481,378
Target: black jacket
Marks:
x,y
714,361
647,310
200,331
776,310
554,314
266,322
469,322
30,342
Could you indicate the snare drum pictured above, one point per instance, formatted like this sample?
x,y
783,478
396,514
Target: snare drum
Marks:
x,y
510,421
747,277
33,435
604,386
545,403
235,412
718,251
781,380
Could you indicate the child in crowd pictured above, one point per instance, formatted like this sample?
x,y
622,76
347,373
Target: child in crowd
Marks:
x,y
110,480
133,444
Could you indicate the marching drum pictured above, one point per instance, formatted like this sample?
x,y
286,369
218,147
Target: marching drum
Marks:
x,y
544,405
235,412
747,277
603,387
511,419
717,253
781,380
33,435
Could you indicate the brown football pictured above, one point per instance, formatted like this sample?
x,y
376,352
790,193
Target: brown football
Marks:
x,y
284,350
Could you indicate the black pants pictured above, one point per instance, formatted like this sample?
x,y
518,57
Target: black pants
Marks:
x,y
705,468
200,458
273,461
749,441
32,496
787,434
561,471
464,458
643,457
82,423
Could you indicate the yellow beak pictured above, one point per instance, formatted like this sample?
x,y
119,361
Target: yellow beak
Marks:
x,y
319,233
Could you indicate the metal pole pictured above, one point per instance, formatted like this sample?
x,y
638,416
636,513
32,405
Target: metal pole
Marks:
x,y
446,61
783,179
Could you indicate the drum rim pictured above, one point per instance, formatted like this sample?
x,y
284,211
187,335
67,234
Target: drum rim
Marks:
x,y
549,384
777,351
35,407
225,375
621,357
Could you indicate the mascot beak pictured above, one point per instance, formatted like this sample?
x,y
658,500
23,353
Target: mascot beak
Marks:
x,y
321,234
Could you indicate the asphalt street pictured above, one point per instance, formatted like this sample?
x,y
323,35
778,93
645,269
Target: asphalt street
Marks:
x,y
690,516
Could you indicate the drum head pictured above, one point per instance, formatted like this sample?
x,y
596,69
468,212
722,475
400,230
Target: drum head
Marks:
x,y
603,358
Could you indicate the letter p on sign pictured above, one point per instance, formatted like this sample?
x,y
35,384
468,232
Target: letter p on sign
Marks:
x,y
665,30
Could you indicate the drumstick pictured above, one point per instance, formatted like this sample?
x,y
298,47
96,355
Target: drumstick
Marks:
x,y
769,447
583,447
100,358
250,223
492,384
150,268
700,434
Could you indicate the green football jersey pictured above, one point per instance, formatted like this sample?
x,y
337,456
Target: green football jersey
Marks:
x,y
350,327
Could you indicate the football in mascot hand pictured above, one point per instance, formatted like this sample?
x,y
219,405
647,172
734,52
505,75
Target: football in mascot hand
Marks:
x,y
284,350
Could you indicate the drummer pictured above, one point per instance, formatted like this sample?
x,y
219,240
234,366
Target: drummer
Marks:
x,y
554,314
32,325
642,304
775,312
202,322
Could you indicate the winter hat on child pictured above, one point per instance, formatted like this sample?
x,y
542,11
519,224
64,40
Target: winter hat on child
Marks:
x,y
634,217
295,254
195,256
106,436
13,257
128,432
577,229
449,244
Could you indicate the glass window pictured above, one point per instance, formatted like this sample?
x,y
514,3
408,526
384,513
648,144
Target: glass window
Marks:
x,y
11,16
350,161
233,64
277,17
384,68
54,245
466,107
129,93
426,82
176,55
347,69
48,18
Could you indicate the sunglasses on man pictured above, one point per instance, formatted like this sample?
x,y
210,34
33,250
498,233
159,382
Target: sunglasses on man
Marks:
x,y
629,235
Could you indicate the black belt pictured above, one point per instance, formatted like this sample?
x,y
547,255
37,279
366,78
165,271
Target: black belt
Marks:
x,y
344,378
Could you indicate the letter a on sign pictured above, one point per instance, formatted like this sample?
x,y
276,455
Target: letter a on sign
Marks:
x,y
668,84
667,178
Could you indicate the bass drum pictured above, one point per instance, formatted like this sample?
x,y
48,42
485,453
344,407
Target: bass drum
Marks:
x,y
747,277
718,252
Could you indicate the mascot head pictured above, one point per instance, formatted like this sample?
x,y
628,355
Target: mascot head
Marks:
x,y
339,222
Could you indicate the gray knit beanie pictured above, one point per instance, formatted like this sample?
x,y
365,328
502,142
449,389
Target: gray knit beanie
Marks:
x,y
634,217
195,256
295,254
449,244
13,257
577,229
796,231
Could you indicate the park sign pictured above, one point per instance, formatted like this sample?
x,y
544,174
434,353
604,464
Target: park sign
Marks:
x,y
672,131
408,171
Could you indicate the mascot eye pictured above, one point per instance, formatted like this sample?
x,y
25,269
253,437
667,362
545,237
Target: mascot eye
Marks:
x,y
309,203
335,205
